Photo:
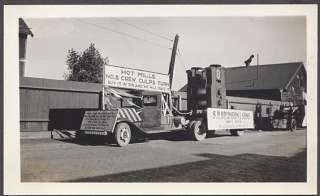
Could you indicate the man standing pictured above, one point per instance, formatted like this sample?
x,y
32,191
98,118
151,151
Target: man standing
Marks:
x,y
290,113
257,116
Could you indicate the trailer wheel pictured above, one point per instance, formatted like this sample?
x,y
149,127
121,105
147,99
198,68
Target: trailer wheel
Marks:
x,y
122,134
237,132
197,130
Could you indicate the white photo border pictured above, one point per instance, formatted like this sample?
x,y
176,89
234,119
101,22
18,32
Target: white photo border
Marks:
x,y
12,167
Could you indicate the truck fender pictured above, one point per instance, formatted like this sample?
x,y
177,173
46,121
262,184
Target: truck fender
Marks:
x,y
133,126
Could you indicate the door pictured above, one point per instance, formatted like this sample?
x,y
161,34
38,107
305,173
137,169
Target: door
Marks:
x,y
151,113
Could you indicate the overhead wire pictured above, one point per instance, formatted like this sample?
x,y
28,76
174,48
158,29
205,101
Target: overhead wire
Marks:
x,y
179,55
138,38
124,34
144,30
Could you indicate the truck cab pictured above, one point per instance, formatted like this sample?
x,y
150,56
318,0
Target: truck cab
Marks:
x,y
156,112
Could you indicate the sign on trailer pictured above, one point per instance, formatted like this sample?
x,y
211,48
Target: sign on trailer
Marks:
x,y
121,77
229,119
102,120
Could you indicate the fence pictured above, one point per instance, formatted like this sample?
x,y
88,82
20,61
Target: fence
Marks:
x,y
38,96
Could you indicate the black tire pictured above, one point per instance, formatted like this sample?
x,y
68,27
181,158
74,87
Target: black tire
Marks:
x,y
122,134
81,137
237,132
197,130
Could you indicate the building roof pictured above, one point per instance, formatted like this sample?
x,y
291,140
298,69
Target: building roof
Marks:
x,y
262,77
23,28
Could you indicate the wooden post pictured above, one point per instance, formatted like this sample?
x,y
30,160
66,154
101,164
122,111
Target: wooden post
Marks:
x,y
173,57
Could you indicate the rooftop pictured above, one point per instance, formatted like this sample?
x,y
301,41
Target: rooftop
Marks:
x,y
269,76
23,28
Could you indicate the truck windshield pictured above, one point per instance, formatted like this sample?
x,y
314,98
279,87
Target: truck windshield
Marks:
x,y
150,100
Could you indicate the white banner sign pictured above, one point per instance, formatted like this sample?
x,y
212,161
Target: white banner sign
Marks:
x,y
229,119
135,79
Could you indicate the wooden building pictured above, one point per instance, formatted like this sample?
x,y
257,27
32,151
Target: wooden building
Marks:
x,y
281,82
24,31
38,97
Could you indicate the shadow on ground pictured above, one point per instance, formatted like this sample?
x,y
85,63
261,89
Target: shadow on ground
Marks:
x,y
176,136
219,168
141,138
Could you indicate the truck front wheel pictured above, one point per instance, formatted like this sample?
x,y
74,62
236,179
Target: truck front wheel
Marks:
x,y
122,134
197,130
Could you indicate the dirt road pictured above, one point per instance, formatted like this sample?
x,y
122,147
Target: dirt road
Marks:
x,y
274,156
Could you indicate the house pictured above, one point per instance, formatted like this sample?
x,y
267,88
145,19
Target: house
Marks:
x,y
24,31
279,82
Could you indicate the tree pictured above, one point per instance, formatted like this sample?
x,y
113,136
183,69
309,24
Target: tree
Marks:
x,y
86,66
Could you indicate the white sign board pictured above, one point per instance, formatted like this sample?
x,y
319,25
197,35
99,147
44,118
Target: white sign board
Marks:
x,y
229,119
102,120
135,79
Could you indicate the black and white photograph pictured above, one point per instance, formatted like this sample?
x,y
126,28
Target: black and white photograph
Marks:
x,y
187,100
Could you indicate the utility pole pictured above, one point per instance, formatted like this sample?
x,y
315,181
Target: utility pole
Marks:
x,y
173,58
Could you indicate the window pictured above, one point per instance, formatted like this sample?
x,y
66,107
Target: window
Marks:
x,y
150,100
268,110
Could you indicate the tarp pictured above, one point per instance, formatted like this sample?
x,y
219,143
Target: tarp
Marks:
x,y
120,93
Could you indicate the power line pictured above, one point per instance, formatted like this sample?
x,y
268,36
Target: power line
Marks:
x,y
180,59
144,30
122,33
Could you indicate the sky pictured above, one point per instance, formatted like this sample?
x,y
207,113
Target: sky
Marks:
x,y
145,43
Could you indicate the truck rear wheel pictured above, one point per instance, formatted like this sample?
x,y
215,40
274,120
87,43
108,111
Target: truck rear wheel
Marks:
x,y
197,130
122,134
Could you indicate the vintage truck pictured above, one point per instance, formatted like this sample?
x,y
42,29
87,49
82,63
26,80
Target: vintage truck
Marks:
x,y
150,108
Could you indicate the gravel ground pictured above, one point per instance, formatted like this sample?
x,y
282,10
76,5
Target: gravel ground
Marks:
x,y
274,156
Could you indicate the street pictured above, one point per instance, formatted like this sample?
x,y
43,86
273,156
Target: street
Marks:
x,y
267,156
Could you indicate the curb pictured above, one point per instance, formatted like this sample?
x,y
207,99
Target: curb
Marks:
x,y
47,135
35,135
